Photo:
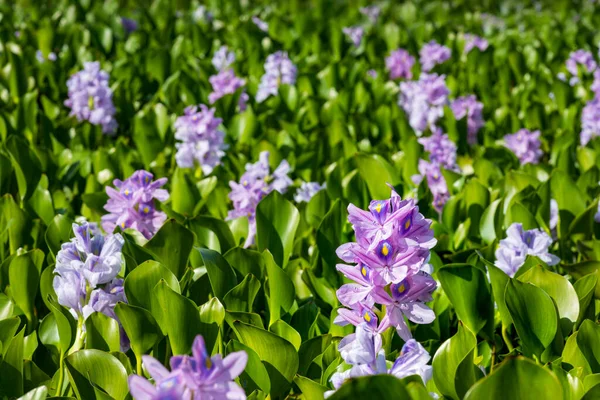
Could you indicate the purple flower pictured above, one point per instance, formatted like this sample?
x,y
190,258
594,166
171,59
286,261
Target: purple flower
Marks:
x,y
225,82
39,56
583,58
372,73
201,140
18,34
278,70
371,12
471,108
355,34
424,100
223,58
132,204
526,145
307,190
262,25
473,41
200,376
442,150
104,300
553,214
243,101
436,183
412,360
202,14
432,54
90,97
129,25
597,215
70,288
400,64
255,184
519,243
51,56
590,121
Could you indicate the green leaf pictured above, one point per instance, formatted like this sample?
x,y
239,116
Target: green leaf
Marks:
x,y
241,297
59,231
24,279
499,280
310,389
469,293
11,367
585,288
276,223
26,165
94,370
39,393
216,226
380,387
377,173
140,282
171,246
278,355
255,372
65,327
281,288
282,329
140,326
533,314
102,333
488,222
447,360
221,275
329,235
588,341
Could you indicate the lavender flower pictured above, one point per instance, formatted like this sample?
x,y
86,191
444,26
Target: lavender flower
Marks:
x,y
400,64
596,84
202,14
199,376
223,58
513,250
442,150
278,70
473,41
104,300
424,100
51,56
90,97
132,204
307,190
39,56
372,73
372,12
225,82
201,140
129,25
70,288
590,121
553,214
526,145
471,108
432,54
355,34
597,215
262,25
583,58
255,184
436,183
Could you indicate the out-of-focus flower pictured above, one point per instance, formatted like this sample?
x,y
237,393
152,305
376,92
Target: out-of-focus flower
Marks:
x,y
355,34
436,183
423,101
279,69
132,204
372,73
255,184
307,190
583,58
202,142
432,54
597,215
202,14
223,58
526,145
596,84
372,12
90,97
225,82
129,25
590,121
41,59
442,150
199,376
519,243
400,64
473,41
262,25
553,214
468,106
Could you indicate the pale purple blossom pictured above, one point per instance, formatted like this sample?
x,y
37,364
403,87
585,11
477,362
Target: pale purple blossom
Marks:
x,y
583,58
202,14
307,190
596,83
423,101
435,182
39,56
90,97
442,150
199,376
51,56
262,25
224,83
526,145
432,54
474,41
371,12
355,34
129,25
279,70
400,64
597,215
201,140
372,73
519,243
132,204
553,214
254,185
223,58
468,106
590,121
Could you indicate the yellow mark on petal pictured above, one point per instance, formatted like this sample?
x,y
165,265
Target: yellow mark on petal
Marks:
x,y
146,209
407,224
126,192
378,207
363,271
401,289
384,250
208,363
367,317
123,225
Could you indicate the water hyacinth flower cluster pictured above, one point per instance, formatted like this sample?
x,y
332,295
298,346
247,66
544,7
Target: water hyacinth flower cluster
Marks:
x,y
435,182
355,34
201,141
225,81
262,25
387,264
371,12
582,58
362,350
279,70
40,56
132,204
90,97
400,64
590,121
469,107
129,25
254,185
307,190
197,377
423,100
474,41
520,243
442,150
432,54
526,145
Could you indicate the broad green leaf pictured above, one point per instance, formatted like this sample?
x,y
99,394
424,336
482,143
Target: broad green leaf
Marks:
x,y
24,279
59,231
221,275
585,288
381,387
310,389
281,289
377,173
171,246
255,371
488,222
588,341
92,370
11,367
282,329
39,393
140,282
241,297
102,333
140,326
216,226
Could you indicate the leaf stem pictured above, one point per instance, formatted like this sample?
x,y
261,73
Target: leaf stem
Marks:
x,y
138,364
507,339
61,374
